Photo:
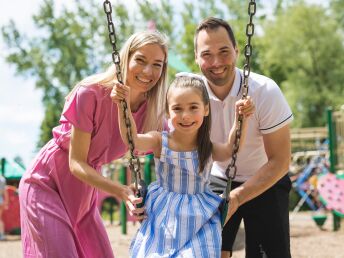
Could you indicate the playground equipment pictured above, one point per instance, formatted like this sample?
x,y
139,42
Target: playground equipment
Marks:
x,y
13,172
108,204
306,184
331,190
11,216
320,183
332,186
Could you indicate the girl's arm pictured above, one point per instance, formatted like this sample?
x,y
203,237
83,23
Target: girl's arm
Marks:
x,y
223,151
143,142
78,152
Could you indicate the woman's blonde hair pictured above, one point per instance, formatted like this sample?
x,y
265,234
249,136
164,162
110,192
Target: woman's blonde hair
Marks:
x,y
155,96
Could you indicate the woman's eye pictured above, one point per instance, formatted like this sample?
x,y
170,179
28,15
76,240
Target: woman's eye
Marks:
x,y
140,60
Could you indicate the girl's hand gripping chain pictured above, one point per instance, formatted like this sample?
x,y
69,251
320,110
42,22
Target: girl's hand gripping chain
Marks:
x,y
246,108
119,93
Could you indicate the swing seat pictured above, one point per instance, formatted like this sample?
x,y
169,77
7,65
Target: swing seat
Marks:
x,y
319,219
223,211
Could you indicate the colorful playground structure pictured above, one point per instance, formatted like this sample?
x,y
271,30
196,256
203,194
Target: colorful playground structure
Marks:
x,y
318,175
12,171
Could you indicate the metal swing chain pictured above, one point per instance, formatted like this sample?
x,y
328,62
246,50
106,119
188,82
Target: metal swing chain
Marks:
x,y
246,70
134,162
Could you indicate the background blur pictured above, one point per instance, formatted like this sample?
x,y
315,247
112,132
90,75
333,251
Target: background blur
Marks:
x,y
48,46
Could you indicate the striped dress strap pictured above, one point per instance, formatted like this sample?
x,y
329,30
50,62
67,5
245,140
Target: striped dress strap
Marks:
x,y
164,139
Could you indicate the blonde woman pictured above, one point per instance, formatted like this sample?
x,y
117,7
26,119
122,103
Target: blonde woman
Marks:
x,y
58,192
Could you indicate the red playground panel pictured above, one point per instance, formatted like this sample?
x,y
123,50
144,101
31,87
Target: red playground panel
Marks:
x,y
11,216
331,190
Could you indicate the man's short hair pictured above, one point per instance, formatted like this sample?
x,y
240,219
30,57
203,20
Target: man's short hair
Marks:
x,y
212,23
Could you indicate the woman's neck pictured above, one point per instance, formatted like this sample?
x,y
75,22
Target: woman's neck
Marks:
x,y
136,99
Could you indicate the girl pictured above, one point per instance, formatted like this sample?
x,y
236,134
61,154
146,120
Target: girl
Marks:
x,y
58,193
182,213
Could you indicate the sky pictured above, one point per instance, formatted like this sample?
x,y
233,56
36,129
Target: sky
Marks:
x,y
21,110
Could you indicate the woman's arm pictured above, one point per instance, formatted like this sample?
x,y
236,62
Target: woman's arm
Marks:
x,y
143,142
78,152
223,151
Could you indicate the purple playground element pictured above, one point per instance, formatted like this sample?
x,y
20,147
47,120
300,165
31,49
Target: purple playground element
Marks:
x,y
331,190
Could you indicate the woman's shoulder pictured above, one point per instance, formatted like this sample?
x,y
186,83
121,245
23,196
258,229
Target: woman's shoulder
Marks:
x,y
95,90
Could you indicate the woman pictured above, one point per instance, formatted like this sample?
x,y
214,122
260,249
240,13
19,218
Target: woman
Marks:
x,y
58,193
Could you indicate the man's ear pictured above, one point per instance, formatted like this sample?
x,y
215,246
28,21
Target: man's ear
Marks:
x,y
206,110
196,59
237,51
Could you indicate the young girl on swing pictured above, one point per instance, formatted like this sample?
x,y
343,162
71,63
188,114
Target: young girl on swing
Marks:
x,y
183,219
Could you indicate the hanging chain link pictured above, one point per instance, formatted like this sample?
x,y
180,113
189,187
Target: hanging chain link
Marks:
x,y
134,161
246,70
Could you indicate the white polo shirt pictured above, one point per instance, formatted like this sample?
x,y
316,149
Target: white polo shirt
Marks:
x,y
272,112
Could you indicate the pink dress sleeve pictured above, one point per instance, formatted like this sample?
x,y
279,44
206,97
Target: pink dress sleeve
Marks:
x,y
80,108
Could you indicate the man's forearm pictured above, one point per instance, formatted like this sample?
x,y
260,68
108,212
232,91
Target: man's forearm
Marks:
x,y
263,179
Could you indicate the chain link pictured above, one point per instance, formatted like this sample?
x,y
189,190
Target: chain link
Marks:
x,y
134,161
246,70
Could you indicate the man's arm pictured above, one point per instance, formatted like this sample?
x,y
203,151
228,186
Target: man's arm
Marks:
x,y
277,148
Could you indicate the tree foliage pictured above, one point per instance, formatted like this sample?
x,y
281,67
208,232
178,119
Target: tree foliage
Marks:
x,y
70,45
299,45
303,53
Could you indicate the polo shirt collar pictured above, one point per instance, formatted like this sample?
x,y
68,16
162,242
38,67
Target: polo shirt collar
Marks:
x,y
235,91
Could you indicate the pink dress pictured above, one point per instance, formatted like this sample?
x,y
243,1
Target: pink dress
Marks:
x,y
59,215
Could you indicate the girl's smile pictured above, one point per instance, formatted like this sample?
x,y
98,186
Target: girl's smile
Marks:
x,y
186,110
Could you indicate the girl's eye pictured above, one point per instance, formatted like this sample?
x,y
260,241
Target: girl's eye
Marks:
x,y
158,65
176,109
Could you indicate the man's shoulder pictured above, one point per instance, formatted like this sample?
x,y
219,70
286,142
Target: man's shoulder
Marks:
x,y
260,85
259,81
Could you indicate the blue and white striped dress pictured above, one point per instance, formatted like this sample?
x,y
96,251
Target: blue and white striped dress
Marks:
x,y
183,219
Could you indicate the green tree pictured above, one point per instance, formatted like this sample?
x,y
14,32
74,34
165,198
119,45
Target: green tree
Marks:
x,y
337,7
161,14
71,45
304,53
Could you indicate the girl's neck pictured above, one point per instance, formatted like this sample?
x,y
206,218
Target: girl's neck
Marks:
x,y
182,142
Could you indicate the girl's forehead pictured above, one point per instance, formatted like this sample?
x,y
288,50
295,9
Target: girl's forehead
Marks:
x,y
188,93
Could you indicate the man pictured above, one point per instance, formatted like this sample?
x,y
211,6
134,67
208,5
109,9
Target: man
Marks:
x,y
260,191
